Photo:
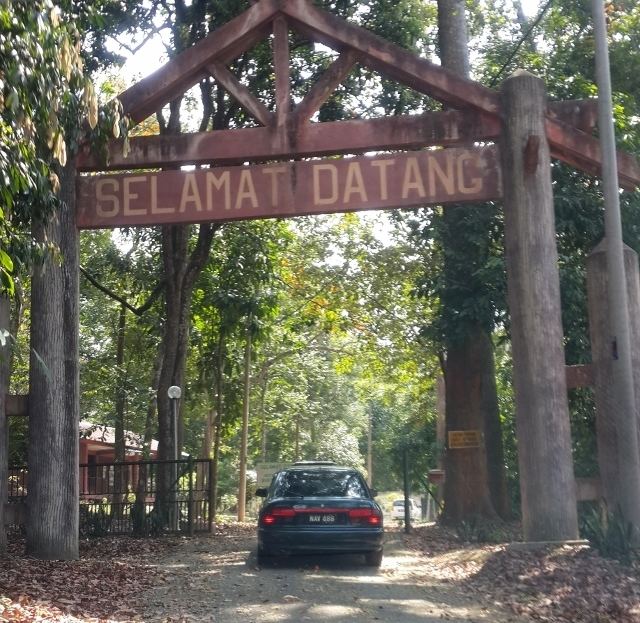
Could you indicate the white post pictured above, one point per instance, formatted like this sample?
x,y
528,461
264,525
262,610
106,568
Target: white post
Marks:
x,y
622,377
174,393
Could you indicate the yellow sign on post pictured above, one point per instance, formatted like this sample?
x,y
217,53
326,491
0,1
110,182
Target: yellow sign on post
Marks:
x,y
465,439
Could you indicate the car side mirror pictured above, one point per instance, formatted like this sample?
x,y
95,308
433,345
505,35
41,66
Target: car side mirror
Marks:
x,y
261,492
374,492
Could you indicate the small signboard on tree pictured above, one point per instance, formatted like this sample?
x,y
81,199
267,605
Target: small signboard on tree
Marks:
x,y
464,439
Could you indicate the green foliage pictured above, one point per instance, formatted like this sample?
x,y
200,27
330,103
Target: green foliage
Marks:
x,y
40,69
611,534
44,98
464,272
132,274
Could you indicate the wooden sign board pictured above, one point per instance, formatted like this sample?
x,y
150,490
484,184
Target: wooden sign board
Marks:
x,y
289,188
464,439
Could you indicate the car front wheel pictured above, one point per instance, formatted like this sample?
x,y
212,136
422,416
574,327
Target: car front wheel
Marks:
x,y
373,559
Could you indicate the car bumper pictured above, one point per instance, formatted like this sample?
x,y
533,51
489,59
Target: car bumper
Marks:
x,y
335,540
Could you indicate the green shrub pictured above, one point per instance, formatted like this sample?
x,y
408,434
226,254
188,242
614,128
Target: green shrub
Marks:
x,y
610,534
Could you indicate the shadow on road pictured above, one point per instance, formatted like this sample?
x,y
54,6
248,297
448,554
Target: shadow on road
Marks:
x,y
222,582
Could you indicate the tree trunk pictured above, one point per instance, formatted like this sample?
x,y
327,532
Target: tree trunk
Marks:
x,y
263,418
181,269
52,522
217,433
467,491
244,434
139,512
452,36
492,428
120,471
120,398
441,431
5,370
547,483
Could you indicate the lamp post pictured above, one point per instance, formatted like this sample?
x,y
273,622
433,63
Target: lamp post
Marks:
x,y
174,393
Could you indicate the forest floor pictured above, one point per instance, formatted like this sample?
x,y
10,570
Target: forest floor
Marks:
x,y
429,575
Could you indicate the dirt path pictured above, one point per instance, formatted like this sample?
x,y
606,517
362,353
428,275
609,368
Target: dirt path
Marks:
x,y
218,579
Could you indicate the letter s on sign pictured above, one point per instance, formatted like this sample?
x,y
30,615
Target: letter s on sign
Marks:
x,y
104,198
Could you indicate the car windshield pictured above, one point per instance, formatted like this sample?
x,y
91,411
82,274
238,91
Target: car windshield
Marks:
x,y
319,483
399,503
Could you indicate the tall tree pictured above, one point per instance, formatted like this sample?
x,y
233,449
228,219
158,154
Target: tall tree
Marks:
x,y
42,108
471,401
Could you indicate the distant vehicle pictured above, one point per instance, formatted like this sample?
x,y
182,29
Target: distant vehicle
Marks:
x,y
397,511
319,508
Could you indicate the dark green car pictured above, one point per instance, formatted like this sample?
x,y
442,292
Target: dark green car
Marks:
x,y
320,508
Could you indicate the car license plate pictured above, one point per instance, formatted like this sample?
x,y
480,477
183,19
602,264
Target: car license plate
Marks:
x,y
326,518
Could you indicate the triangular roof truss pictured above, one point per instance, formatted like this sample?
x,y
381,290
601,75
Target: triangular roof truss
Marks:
x,y
287,133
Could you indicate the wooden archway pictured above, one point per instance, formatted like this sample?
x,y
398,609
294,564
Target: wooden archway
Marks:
x,y
528,131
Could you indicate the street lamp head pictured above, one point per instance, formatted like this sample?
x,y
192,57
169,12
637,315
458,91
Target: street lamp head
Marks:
x,y
174,392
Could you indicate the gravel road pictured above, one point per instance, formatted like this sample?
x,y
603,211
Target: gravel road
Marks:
x,y
218,579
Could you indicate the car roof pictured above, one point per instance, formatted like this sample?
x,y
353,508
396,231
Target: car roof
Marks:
x,y
314,462
319,467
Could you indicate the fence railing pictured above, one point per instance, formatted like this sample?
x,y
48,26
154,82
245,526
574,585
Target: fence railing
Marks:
x,y
139,497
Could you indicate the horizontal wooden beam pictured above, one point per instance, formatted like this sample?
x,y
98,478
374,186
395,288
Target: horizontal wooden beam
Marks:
x,y
579,376
310,139
390,59
16,405
583,152
589,489
581,114
186,69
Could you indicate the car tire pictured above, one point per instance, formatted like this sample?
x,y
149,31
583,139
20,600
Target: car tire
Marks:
x,y
373,559
262,556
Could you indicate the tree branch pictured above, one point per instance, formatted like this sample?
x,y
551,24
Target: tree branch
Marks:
x,y
138,311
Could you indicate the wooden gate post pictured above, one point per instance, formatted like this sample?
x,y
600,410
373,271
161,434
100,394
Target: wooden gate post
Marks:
x,y
612,460
547,485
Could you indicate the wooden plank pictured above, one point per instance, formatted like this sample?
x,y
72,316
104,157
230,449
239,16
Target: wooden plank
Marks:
x,y
325,85
16,405
589,489
581,114
241,94
312,139
289,188
608,429
579,376
281,66
390,59
186,69
583,152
